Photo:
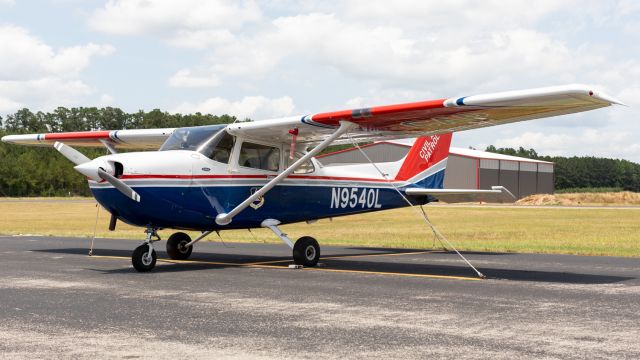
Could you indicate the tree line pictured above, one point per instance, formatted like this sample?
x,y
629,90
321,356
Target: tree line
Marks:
x,y
585,171
42,171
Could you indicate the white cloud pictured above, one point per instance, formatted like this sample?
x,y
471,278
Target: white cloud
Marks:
x,y
8,105
7,2
200,39
24,56
253,107
172,17
105,100
184,78
37,76
44,93
392,55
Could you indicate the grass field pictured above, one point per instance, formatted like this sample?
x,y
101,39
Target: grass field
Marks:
x,y
601,231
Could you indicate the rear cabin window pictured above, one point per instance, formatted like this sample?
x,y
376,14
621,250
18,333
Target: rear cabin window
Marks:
x,y
259,156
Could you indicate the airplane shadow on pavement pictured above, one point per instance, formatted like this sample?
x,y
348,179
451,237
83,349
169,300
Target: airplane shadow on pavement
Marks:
x,y
354,263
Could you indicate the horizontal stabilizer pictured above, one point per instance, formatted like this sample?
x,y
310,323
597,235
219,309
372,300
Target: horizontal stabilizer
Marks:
x,y
496,194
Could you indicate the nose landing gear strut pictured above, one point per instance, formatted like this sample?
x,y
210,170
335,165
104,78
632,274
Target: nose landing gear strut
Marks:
x,y
144,256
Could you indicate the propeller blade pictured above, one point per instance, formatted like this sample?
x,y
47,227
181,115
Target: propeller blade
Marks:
x,y
118,184
70,153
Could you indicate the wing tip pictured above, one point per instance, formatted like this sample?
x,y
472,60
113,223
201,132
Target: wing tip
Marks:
x,y
578,89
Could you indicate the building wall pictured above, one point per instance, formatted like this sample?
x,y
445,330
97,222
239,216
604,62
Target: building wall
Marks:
x,y
527,183
509,174
527,179
461,173
489,173
546,179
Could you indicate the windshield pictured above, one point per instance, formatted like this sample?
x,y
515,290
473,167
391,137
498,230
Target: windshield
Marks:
x,y
190,138
218,147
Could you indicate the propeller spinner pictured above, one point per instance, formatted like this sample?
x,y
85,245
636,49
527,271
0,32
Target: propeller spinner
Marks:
x,y
96,169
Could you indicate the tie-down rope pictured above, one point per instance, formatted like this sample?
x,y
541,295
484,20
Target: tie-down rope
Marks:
x,y
441,238
95,230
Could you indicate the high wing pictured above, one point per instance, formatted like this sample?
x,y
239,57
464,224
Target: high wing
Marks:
x,y
375,123
129,139
432,116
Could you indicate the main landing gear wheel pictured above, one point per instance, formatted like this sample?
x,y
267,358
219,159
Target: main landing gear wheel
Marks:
x,y
176,248
306,251
141,259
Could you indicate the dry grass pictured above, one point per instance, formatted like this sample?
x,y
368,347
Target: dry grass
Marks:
x,y
604,231
577,199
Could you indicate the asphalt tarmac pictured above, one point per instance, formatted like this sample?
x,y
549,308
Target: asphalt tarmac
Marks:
x,y
241,301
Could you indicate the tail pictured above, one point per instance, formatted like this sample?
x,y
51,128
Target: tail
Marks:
x,y
426,161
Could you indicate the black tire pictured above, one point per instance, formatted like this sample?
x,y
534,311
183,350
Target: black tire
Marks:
x,y
138,258
175,246
306,251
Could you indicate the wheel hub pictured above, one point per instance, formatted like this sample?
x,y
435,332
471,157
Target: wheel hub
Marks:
x,y
310,252
146,259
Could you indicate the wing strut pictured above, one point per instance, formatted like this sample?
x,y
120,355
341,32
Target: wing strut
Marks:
x,y
225,218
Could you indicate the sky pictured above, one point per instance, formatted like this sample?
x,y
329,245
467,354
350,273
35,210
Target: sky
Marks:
x,y
266,59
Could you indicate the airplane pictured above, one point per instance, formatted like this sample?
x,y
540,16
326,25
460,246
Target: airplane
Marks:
x,y
261,174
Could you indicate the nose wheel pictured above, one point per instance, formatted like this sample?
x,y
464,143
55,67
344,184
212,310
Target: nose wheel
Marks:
x,y
144,256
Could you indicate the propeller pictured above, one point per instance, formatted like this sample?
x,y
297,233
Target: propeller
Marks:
x,y
94,169
70,153
118,184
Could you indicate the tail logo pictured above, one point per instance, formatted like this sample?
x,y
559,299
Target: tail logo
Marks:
x,y
428,147
425,152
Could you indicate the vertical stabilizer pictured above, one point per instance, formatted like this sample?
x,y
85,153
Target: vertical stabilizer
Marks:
x,y
425,163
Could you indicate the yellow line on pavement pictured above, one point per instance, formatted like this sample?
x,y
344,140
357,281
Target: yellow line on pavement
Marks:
x,y
354,256
397,274
265,266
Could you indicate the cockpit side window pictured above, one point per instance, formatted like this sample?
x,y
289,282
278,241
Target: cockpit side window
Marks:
x,y
258,156
219,147
306,168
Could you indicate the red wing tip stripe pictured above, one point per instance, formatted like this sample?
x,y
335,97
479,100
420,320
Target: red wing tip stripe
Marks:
x,y
77,135
378,111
